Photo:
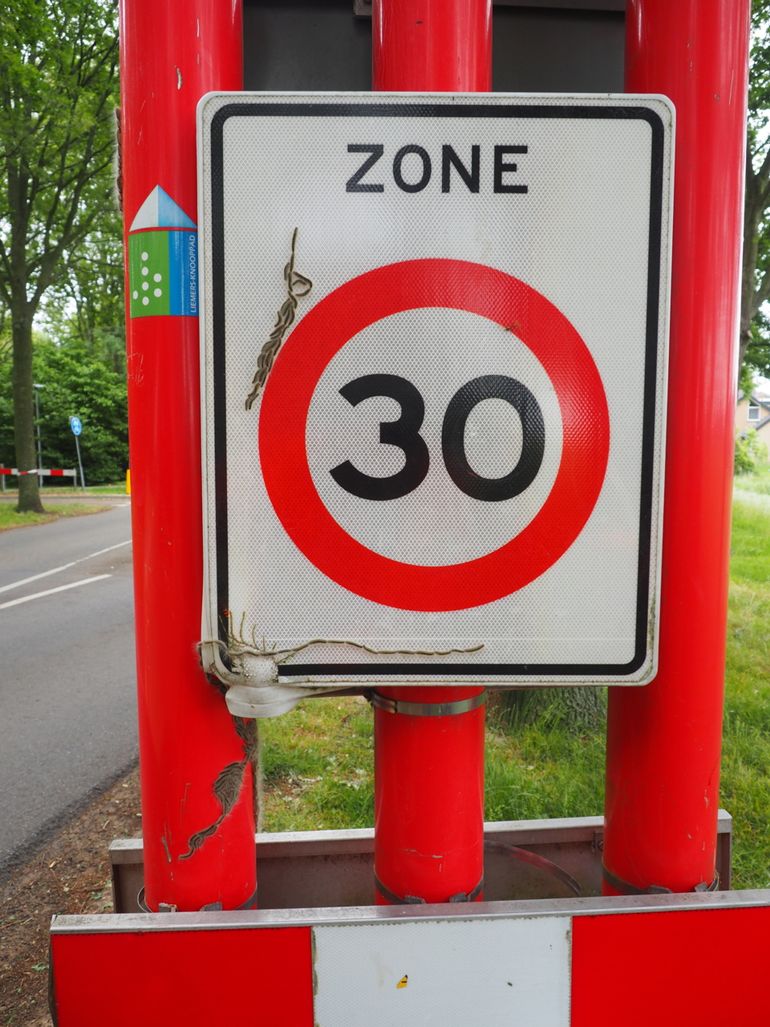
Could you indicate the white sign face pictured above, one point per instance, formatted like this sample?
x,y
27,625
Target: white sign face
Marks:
x,y
433,381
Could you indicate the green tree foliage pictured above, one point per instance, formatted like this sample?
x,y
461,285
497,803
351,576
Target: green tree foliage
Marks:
x,y
755,328
750,452
58,86
87,306
74,382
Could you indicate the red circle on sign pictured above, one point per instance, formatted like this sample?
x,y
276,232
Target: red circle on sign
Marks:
x,y
457,285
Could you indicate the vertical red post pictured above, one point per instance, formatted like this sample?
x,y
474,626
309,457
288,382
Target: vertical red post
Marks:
x,y
172,53
429,742
440,46
428,794
664,741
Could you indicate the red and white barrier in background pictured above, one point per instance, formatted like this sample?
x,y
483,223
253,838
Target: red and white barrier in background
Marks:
x,y
46,472
669,960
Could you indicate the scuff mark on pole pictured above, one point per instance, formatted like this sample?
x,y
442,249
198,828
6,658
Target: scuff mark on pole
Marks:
x,y
228,786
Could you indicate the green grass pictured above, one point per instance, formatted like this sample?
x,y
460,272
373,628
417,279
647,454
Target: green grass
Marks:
x,y
758,483
317,766
9,518
750,546
117,486
318,759
746,755
541,770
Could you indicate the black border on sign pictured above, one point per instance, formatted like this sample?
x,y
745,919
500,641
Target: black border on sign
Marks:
x,y
426,109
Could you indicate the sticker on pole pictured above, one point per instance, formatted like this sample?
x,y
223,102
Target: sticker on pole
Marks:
x,y
433,385
162,259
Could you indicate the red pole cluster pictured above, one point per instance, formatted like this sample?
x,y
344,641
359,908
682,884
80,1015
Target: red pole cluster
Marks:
x,y
194,855
664,741
429,742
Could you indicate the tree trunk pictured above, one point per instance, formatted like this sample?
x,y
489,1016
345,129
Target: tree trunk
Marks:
x,y
23,412
744,341
752,215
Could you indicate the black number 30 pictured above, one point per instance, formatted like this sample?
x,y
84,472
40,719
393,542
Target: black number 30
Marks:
x,y
405,433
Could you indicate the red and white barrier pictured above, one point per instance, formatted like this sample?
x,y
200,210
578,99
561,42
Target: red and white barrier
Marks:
x,y
668,960
45,472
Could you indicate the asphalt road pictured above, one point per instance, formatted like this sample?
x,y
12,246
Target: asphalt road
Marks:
x,y
67,670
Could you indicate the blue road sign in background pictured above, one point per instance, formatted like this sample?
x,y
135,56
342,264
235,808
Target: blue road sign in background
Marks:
x,y
76,425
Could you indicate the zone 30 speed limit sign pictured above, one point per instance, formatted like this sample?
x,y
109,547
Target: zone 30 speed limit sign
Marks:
x,y
434,362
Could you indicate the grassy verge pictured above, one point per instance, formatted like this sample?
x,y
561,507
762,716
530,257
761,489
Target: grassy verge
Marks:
x,y
9,518
48,491
106,490
758,483
746,755
318,759
317,765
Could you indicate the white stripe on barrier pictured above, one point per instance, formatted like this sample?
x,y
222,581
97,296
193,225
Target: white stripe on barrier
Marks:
x,y
435,973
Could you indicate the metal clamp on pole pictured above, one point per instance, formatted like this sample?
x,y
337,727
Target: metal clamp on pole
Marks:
x,y
415,900
168,907
422,709
625,888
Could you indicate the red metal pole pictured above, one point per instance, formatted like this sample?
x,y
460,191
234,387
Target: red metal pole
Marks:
x,y
664,741
429,759
440,46
172,53
429,795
